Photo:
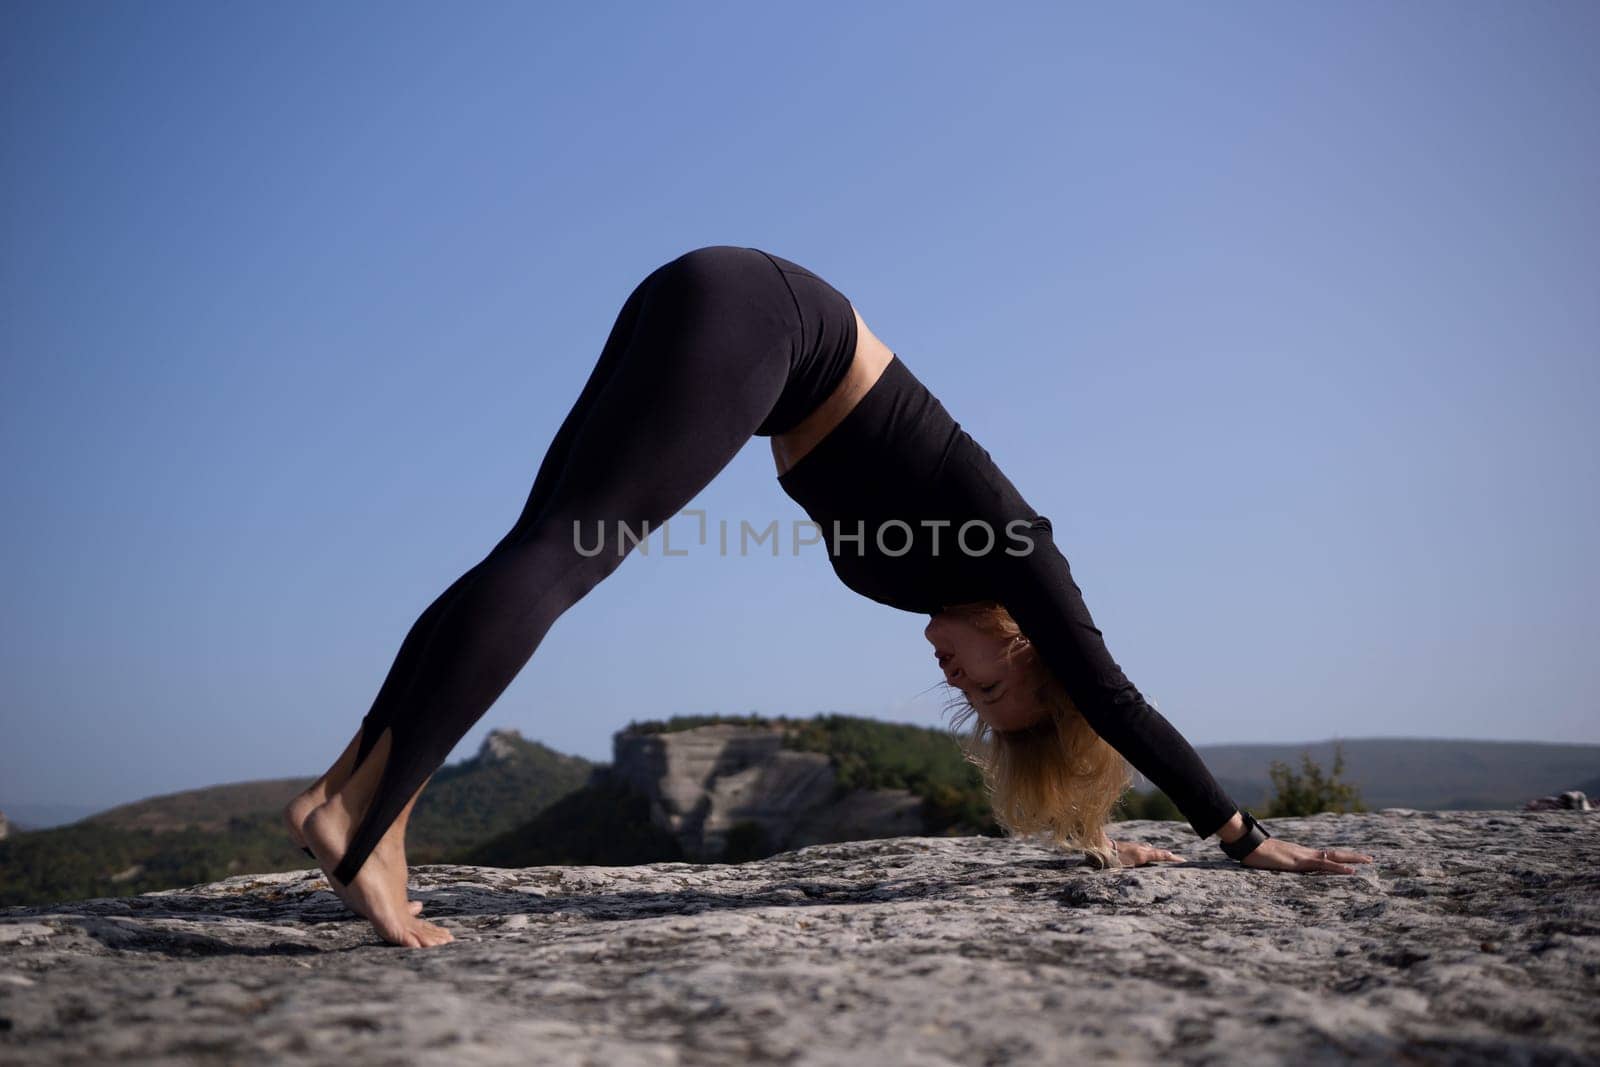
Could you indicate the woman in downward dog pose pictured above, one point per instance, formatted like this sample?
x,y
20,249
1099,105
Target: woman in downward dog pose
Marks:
x,y
715,346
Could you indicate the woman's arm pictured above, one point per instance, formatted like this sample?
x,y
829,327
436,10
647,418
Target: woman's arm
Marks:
x,y
1038,590
1041,595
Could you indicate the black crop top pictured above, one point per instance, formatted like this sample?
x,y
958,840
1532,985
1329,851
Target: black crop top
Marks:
x,y
915,514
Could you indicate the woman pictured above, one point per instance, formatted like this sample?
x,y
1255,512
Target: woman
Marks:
x,y
720,344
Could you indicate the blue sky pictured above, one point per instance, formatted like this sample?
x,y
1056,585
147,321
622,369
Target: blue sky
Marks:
x,y
1286,315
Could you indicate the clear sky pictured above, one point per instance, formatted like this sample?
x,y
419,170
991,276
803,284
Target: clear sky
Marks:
x,y
1288,316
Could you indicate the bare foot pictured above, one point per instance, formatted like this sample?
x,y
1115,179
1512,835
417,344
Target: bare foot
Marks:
x,y
301,807
378,893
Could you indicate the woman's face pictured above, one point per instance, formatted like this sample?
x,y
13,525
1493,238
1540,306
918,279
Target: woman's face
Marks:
x,y
993,674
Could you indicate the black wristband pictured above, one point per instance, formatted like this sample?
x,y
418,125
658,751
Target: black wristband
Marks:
x,y
1254,834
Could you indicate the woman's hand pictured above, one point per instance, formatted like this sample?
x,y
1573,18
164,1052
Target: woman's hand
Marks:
x,y
1133,854
1276,854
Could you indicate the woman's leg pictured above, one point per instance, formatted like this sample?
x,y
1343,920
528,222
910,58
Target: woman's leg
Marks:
x,y
706,360
404,669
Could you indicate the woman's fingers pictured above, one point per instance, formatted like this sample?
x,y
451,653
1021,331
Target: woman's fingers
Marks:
x,y
1317,863
1346,856
1334,860
1145,854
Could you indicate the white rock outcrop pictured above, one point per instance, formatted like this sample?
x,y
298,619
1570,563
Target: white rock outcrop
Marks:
x,y
1474,938
704,782
499,746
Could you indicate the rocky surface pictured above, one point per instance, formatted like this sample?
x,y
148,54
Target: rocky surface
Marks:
x,y
1474,938
704,782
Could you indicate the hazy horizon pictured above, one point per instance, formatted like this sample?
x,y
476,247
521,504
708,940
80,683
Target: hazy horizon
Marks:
x,y
1285,317
461,755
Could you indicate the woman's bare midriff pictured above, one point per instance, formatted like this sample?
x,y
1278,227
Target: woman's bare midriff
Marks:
x,y
871,357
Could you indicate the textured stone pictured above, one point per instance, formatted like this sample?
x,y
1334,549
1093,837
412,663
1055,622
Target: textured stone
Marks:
x,y
1474,938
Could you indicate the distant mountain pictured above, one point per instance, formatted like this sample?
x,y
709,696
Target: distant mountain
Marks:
x,y
44,816
508,782
1428,774
201,835
211,807
722,789
602,824
519,803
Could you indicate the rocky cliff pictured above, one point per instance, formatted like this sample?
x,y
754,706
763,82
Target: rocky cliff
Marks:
x,y
705,782
1474,939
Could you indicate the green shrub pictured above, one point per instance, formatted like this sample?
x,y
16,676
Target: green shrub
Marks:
x,y
1309,790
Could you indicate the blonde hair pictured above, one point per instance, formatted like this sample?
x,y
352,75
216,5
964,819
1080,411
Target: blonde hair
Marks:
x,y
1057,776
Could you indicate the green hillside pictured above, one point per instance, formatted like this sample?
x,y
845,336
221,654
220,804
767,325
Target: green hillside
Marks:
x,y
209,808
201,835
520,803
602,824
472,801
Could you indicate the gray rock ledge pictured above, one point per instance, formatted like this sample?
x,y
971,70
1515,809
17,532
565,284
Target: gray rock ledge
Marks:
x,y
1474,939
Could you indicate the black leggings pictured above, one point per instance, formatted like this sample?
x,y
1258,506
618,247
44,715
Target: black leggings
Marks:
x,y
707,348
